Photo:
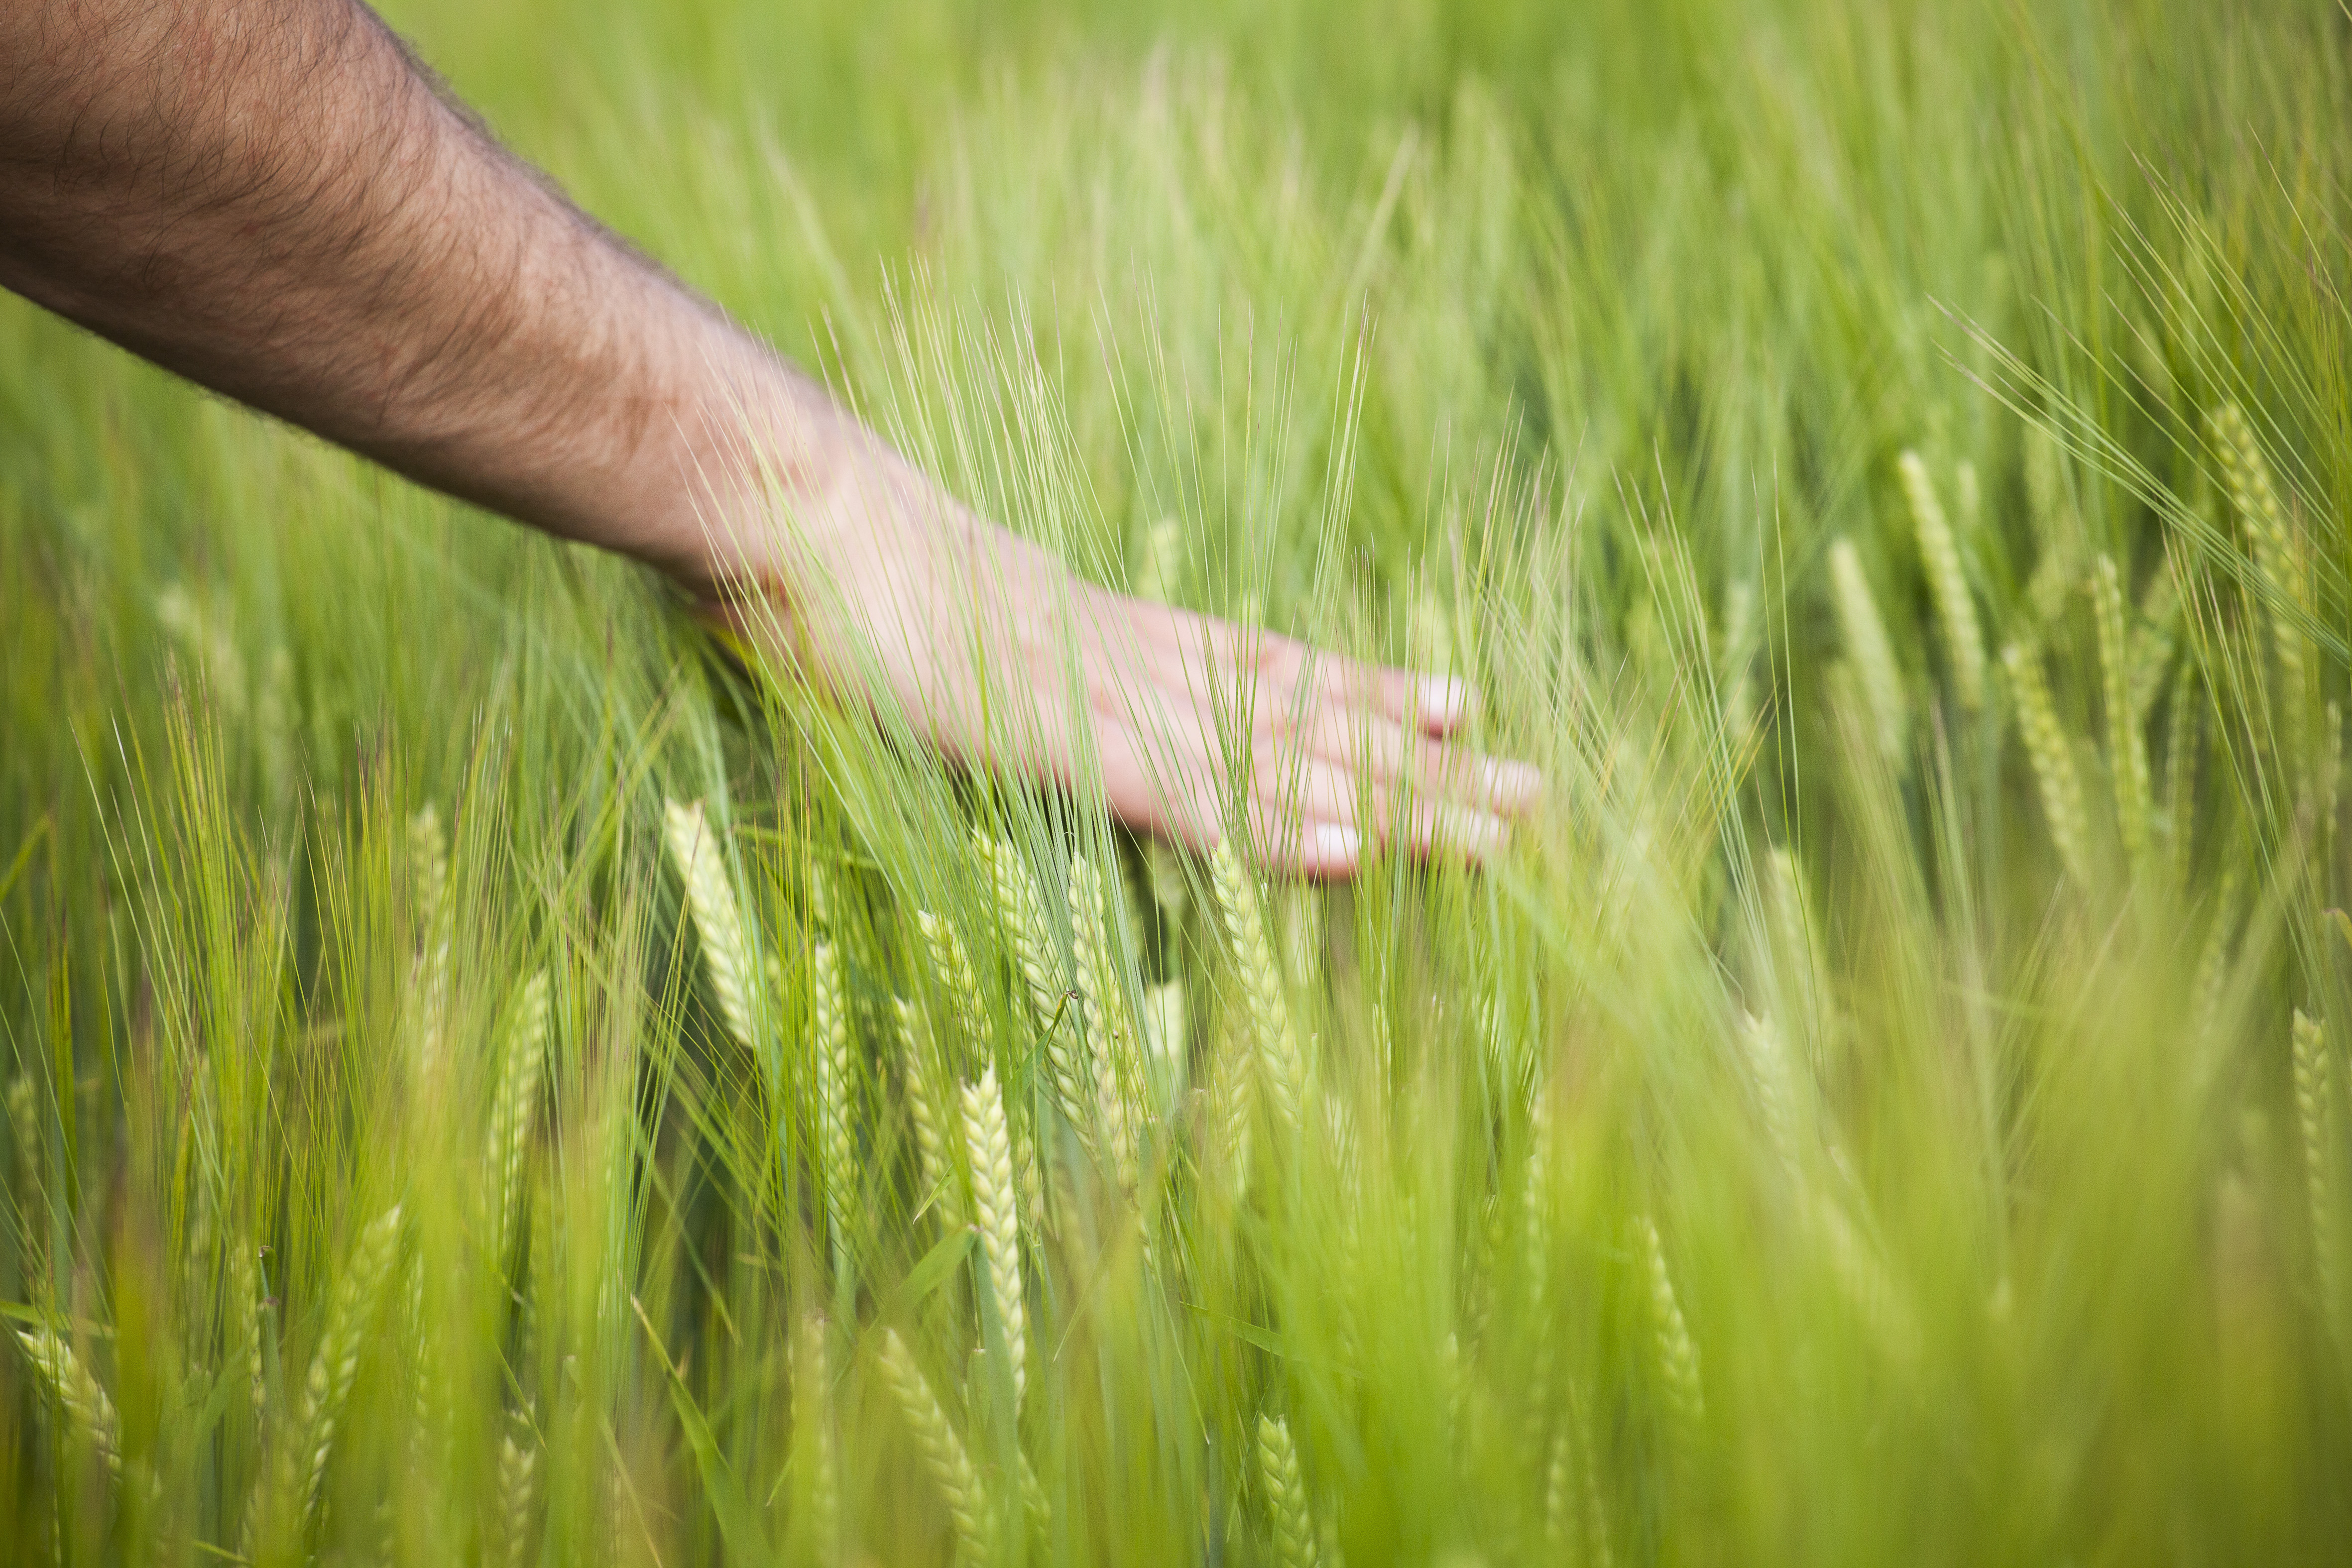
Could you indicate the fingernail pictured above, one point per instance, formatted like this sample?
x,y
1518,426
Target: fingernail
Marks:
x,y
1328,842
1442,699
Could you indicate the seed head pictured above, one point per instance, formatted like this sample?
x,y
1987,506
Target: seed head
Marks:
x,y
2052,759
1955,610
997,1215
717,918
1867,647
1261,983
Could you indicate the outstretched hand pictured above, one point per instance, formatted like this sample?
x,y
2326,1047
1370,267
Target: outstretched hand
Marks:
x,y
1004,659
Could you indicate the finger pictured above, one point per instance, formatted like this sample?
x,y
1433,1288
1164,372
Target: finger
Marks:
x,y
1288,781
1432,703
1315,795
1438,829
1391,756
1160,779
1290,845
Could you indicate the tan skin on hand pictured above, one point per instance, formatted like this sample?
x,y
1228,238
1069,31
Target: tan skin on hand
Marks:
x,y
269,197
1336,750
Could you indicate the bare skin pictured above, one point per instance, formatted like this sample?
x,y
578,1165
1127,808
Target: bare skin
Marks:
x,y
272,198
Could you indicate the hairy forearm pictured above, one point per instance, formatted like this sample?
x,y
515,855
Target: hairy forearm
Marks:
x,y
270,198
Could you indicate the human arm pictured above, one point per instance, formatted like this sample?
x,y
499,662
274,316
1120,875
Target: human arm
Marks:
x,y
271,198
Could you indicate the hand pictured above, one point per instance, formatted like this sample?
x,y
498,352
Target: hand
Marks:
x,y
1005,661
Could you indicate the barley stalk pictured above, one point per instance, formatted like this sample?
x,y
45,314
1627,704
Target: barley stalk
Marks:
x,y
207,639
943,1453
1737,674
517,1491
2314,1103
1861,1274
1956,611
335,1364
428,865
1282,1072
1561,1531
1165,1024
2153,642
76,1392
1766,1055
2055,527
521,1070
1297,1543
952,966
932,1131
1677,1352
2126,752
830,1055
1231,1102
815,1460
2255,499
718,918
1872,654
2052,760
2184,733
1109,1020
244,1305
1023,912
2206,991
997,1216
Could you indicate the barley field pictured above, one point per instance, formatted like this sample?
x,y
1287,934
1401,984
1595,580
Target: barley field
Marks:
x,y
493,1079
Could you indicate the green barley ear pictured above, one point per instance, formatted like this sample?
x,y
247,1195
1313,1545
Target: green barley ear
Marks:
x,y
717,918
2184,735
1111,1034
1800,971
835,1085
1268,1020
76,1392
1061,1029
1774,1075
2210,986
2126,753
2154,641
2255,499
932,1130
996,1215
1956,611
2055,526
522,1066
2052,759
428,869
1165,1026
952,966
1677,1352
1229,1123
1738,673
2314,1107
1024,915
518,1494
1872,654
335,1364
943,1453
815,1458
245,1316
1297,1543
1576,1528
